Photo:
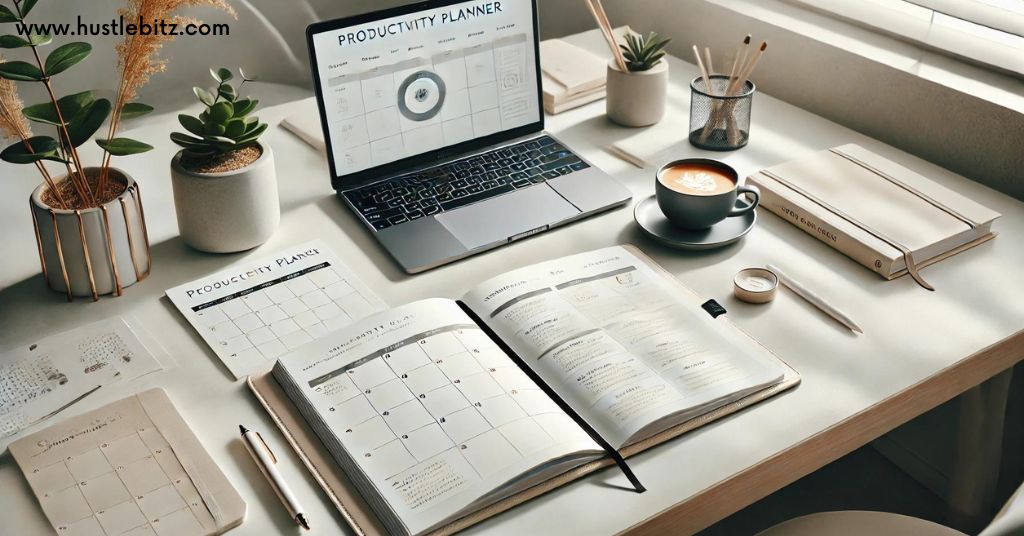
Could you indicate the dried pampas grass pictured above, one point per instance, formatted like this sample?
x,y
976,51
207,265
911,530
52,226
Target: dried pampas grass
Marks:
x,y
138,55
12,122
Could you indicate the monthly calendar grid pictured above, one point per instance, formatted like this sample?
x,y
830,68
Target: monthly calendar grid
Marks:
x,y
262,322
118,469
394,372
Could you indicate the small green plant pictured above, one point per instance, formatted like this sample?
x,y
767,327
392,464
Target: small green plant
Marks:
x,y
225,126
643,53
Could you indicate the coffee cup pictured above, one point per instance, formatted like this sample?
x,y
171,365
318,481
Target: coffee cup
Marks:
x,y
696,193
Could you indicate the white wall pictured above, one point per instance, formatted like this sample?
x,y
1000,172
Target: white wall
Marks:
x,y
961,132
969,135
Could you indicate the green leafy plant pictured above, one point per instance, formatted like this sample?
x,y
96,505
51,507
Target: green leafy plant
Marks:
x,y
76,118
643,53
225,126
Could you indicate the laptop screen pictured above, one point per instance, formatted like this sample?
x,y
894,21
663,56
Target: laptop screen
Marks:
x,y
430,79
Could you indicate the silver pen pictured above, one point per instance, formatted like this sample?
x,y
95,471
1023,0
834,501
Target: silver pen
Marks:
x,y
815,300
267,462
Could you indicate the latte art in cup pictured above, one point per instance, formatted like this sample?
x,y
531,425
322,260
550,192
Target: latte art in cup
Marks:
x,y
696,193
697,179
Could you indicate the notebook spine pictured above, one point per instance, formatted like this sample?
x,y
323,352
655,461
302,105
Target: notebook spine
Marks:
x,y
789,209
615,455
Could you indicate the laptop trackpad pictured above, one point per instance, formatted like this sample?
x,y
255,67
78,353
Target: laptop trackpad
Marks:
x,y
511,214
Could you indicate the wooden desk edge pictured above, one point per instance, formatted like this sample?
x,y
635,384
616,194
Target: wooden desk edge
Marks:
x,y
750,485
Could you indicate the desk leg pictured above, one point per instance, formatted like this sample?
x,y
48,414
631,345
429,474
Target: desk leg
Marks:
x,y
978,452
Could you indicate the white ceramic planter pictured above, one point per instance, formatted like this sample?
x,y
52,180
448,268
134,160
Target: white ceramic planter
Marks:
x,y
227,212
93,251
636,98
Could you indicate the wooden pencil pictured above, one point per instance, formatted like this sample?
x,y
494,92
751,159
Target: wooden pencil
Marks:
x,y
741,81
616,50
609,37
703,70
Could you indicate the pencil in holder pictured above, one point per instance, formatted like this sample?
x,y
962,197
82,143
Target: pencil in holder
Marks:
x,y
720,119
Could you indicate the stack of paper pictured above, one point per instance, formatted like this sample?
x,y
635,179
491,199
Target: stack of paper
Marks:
x,y
305,123
572,76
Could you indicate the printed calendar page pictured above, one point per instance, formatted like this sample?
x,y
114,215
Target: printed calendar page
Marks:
x,y
130,468
432,411
254,312
408,85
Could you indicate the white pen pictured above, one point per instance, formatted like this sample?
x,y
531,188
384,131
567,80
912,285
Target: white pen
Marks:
x,y
815,300
267,463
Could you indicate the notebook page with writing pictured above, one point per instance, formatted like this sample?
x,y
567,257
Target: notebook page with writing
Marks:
x,y
427,416
618,344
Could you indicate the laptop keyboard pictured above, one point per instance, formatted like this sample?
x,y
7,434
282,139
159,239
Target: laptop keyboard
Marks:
x,y
462,182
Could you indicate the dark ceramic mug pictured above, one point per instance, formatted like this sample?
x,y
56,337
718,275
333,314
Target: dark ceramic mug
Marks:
x,y
700,211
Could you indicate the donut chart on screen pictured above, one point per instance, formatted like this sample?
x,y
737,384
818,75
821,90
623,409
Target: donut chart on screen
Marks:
x,y
421,95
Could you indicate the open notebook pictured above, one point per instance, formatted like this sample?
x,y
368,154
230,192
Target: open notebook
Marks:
x,y
438,410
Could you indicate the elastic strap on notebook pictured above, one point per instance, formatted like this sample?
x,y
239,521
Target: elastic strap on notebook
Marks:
x,y
908,257
576,417
924,197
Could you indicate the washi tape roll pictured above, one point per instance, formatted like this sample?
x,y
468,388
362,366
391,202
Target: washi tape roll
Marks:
x,y
755,285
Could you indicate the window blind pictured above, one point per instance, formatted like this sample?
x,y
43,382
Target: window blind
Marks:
x,y
990,32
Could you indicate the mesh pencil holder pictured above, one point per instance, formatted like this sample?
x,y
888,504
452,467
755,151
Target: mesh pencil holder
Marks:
x,y
719,122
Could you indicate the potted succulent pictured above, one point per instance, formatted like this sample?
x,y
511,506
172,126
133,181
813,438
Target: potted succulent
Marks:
x,y
636,97
88,220
225,186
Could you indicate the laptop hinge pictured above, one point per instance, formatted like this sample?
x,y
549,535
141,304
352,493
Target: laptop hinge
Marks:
x,y
526,234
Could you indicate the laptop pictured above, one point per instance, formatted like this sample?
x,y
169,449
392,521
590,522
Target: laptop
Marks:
x,y
433,122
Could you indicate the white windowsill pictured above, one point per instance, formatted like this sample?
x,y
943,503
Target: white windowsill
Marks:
x,y
997,88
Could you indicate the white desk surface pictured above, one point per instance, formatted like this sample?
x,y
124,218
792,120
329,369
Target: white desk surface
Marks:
x,y
910,334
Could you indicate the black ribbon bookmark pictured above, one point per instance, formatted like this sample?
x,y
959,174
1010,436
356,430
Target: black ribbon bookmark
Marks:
x,y
713,308
576,417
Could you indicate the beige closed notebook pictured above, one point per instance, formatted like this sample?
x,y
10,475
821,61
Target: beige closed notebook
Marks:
x,y
130,467
573,69
857,201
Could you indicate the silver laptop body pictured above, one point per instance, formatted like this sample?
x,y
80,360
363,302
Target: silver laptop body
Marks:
x,y
434,127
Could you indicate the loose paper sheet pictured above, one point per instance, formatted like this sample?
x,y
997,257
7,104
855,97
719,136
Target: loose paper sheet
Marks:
x,y
42,378
256,311
657,144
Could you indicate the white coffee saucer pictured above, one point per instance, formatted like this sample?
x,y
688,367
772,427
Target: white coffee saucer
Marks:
x,y
650,218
